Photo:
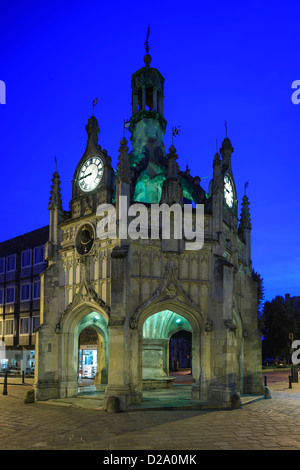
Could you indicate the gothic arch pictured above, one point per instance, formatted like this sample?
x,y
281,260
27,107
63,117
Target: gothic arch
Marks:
x,y
170,293
189,313
200,337
70,328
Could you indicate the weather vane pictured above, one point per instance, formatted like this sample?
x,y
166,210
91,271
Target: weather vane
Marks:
x,y
146,43
175,132
94,104
126,125
225,128
246,186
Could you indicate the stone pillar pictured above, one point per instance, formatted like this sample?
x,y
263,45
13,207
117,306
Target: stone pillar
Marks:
x,y
47,343
143,97
117,386
224,383
118,331
252,380
134,103
101,375
154,99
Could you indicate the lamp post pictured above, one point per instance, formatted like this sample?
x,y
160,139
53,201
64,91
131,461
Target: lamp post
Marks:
x,y
5,384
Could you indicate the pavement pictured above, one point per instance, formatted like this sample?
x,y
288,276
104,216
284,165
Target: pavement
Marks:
x,y
263,424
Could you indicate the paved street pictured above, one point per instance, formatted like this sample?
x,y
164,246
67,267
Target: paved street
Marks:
x,y
261,425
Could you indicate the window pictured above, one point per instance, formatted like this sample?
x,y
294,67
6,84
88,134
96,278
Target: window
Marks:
x,y
9,327
38,254
36,290
1,331
2,265
1,296
11,263
25,292
26,258
35,323
24,326
10,295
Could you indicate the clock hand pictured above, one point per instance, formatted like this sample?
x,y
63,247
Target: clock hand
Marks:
x,y
89,174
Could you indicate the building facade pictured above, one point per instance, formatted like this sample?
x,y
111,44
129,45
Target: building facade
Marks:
x,y
137,292
21,262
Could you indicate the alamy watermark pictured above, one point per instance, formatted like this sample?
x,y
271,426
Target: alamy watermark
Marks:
x,y
2,92
157,220
296,354
296,95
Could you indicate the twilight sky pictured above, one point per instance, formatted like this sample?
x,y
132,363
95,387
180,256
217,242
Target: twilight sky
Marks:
x,y
232,61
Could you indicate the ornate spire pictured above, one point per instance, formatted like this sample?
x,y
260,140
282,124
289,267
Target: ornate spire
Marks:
x,y
172,165
217,181
93,131
123,169
226,151
217,160
245,221
171,190
55,194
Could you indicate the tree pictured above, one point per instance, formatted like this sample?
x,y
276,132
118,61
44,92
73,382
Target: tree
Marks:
x,y
279,320
260,297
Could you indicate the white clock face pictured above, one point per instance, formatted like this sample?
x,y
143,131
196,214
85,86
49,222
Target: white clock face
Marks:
x,y
90,174
228,191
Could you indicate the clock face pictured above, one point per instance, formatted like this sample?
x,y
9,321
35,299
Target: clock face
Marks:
x,y
84,239
90,174
228,191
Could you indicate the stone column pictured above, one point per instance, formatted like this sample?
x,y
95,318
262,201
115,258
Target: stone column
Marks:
x,y
101,375
117,386
118,331
154,99
252,380
143,97
224,383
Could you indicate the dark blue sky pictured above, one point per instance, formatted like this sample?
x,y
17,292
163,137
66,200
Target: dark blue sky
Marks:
x,y
221,61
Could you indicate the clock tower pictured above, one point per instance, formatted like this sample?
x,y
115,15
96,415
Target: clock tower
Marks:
x,y
136,292
229,187
93,180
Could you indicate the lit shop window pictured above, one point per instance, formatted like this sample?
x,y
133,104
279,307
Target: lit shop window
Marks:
x,y
38,254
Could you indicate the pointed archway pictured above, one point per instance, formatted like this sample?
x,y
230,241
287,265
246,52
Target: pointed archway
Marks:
x,y
157,331
154,328
74,322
